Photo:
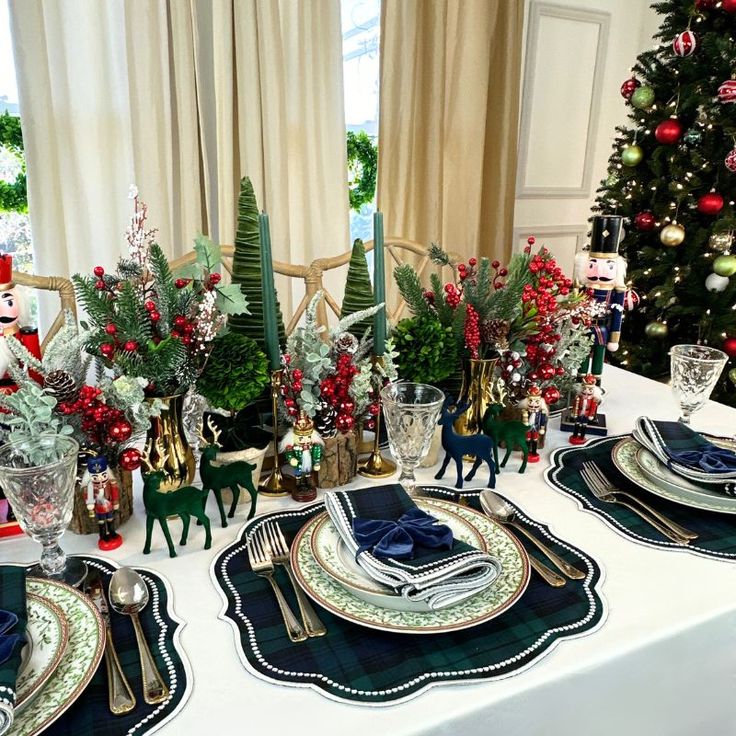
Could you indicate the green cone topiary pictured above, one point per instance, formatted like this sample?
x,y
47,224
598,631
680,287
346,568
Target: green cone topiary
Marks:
x,y
358,289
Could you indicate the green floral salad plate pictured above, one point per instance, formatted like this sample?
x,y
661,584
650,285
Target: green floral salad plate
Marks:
x,y
78,663
48,634
347,594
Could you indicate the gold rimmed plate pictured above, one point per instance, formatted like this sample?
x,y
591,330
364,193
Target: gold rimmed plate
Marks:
x,y
487,604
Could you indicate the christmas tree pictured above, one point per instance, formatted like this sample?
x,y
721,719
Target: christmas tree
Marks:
x,y
673,175
358,290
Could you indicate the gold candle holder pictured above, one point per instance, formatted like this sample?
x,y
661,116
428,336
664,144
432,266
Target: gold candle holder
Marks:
x,y
274,484
377,466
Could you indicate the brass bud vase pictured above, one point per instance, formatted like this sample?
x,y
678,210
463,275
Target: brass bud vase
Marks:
x,y
169,450
478,376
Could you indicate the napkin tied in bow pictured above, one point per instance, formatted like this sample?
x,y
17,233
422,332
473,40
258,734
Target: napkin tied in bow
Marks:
x,y
8,641
397,538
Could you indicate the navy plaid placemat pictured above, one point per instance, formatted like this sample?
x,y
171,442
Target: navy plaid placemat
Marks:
x,y
716,532
361,665
90,716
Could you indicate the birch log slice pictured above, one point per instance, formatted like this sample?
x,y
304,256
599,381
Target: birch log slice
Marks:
x,y
82,523
339,462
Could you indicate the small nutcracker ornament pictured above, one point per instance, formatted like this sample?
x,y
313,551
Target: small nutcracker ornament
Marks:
x,y
584,409
12,308
535,414
302,448
603,271
102,496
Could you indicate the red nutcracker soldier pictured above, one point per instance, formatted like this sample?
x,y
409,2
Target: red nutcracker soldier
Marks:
x,y
102,496
11,317
535,414
584,409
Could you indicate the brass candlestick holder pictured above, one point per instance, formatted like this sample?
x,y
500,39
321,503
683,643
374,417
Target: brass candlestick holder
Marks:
x,y
274,485
377,466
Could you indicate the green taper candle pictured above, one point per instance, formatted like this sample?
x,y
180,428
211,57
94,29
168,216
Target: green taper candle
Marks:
x,y
379,285
268,290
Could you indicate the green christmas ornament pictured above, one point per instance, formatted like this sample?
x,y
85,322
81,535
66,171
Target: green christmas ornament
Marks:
x,y
656,330
725,265
732,376
632,155
643,97
693,136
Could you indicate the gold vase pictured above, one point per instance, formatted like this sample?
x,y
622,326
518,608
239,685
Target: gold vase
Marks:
x,y
167,444
475,389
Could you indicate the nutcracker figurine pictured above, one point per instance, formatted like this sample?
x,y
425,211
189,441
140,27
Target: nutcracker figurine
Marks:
x,y
603,271
12,309
534,413
584,409
102,496
303,451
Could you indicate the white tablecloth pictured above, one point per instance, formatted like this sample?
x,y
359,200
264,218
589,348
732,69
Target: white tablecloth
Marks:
x,y
662,664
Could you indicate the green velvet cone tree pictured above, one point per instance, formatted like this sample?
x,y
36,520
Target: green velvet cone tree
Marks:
x,y
247,269
358,290
681,186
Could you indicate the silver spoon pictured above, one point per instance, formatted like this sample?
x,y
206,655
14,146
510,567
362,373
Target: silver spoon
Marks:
x,y
129,596
498,509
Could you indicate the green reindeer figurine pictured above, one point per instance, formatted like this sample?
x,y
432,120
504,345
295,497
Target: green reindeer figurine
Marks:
x,y
184,502
234,476
512,432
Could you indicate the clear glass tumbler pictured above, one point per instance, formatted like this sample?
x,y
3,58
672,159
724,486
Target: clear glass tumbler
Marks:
x,y
38,477
411,411
695,370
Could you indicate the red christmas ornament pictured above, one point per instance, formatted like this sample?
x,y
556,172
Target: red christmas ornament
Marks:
x,y
370,425
546,371
130,459
107,349
668,131
111,329
347,407
710,204
645,221
373,409
727,91
99,272
731,161
729,347
705,4
729,6
155,316
344,423
685,43
120,430
628,87
551,395
631,300
131,346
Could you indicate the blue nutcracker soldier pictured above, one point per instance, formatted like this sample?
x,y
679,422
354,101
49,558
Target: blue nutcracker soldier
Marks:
x,y
603,271
102,497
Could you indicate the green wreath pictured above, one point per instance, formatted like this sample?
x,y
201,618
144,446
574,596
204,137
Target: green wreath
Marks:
x,y
362,169
13,194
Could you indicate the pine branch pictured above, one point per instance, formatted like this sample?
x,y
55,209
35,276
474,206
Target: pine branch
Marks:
x,y
411,290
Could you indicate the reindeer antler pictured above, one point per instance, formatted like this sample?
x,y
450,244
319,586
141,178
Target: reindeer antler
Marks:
x,y
146,456
501,391
215,432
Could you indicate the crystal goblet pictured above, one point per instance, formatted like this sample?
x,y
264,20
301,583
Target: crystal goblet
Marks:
x,y
411,411
38,476
695,370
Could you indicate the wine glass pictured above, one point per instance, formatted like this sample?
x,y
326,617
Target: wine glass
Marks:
x,y
411,411
695,370
38,476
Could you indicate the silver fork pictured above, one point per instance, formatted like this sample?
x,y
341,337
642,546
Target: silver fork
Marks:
x,y
261,564
602,494
280,556
607,485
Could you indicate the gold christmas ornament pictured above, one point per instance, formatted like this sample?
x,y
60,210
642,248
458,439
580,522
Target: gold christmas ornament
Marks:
x,y
672,235
656,330
721,242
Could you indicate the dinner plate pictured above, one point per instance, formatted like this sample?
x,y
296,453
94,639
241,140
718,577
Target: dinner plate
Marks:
x,y
79,662
487,604
48,633
640,466
335,558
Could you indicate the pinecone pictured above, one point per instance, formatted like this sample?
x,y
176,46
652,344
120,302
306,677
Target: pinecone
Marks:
x,y
346,343
62,386
495,332
324,420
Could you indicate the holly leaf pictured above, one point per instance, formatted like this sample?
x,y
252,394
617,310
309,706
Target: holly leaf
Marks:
x,y
189,271
231,300
208,253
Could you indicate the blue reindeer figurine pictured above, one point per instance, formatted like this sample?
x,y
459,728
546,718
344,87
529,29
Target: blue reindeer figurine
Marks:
x,y
456,445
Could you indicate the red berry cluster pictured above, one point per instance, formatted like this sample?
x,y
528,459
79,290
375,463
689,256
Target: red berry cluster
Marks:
x,y
453,295
291,387
472,330
335,390
103,424
184,328
499,272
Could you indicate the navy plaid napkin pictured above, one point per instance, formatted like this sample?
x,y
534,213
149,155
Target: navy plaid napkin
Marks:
x,y
441,577
13,615
688,453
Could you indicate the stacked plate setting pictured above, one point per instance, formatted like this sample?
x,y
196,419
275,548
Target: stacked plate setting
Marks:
x,y
329,574
66,641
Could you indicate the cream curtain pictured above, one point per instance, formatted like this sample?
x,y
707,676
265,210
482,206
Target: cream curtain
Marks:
x,y
449,107
182,97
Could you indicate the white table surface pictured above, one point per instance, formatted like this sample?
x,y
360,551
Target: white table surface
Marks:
x,y
662,664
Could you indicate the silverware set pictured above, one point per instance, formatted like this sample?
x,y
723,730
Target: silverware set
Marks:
x,y
605,491
266,548
128,595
